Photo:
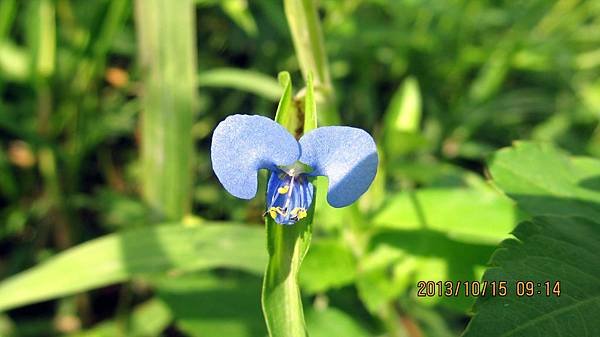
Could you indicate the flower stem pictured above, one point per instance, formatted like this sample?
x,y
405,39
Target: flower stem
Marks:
x,y
307,35
281,300
288,244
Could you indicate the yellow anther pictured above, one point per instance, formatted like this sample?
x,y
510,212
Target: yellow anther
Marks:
x,y
273,211
283,189
299,213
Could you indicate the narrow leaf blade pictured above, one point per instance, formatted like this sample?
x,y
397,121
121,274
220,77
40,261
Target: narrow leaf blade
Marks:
x,y
117,257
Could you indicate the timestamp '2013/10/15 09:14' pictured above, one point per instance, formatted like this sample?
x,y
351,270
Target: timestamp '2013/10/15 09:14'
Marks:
x,y
488,288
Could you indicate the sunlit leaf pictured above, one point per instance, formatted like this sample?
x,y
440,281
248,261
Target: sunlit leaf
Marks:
x,y
118,257
544,181
206,305
432,235
466,214
559,245
547,249
328,264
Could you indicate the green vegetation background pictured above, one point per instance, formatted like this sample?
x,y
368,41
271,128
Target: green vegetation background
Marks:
x,y
441,85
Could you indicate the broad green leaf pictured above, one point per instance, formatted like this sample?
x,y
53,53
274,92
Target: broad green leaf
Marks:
x,y
118,257
465,214
555,249
544,181
376,287
432,235
331,322
560,244
206,305
398,259
241,79
328,264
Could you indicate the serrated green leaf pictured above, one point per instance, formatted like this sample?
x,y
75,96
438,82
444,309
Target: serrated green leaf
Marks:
x,y
560,244
544,181
547,249
117,257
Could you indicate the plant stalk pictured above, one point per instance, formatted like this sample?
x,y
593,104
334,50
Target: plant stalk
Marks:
x,y
167,48
307,35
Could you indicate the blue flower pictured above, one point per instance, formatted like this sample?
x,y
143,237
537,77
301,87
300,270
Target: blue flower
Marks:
x,y
243,144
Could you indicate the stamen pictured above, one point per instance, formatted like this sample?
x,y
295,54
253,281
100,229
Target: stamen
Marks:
x,y
299,213
288,197
274,211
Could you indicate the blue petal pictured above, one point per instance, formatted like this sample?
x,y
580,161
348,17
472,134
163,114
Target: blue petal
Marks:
x,y
288,198
348,156
243,144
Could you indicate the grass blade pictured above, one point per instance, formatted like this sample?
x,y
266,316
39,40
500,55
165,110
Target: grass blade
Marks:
x,y
118,257
241,79
168,62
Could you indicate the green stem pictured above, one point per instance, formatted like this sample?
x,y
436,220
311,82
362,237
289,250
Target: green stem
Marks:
x,y
281,299
288,244
168,62
307,35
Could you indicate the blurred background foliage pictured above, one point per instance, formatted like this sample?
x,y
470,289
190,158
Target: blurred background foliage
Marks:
x,y
440,85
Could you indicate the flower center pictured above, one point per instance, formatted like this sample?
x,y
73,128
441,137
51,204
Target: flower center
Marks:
x,y
289,195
